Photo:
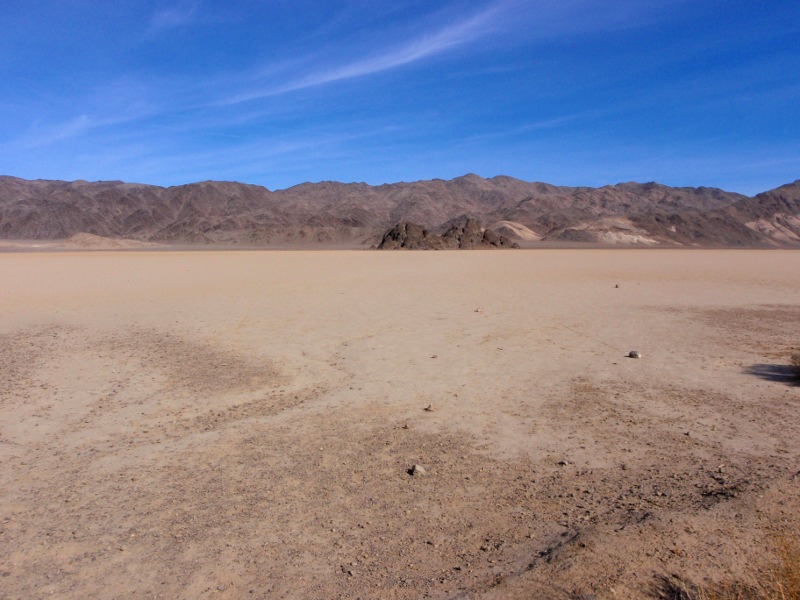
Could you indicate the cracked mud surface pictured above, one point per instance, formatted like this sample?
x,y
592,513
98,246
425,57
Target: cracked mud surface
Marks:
x,y
242,425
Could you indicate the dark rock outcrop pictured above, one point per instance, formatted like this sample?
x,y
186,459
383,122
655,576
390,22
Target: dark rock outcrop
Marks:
x,y
468,235
409,236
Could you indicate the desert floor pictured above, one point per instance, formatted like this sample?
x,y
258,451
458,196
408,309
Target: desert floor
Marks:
x,y
241,424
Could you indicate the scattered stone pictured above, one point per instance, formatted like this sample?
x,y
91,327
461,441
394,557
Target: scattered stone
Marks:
x,y
562,463
435,356
417,471
634,354
479,309
616,285
429,408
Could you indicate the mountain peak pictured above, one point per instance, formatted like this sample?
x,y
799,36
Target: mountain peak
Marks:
x,y
233,212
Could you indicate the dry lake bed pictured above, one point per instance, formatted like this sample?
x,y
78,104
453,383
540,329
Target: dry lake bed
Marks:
x,y
243,424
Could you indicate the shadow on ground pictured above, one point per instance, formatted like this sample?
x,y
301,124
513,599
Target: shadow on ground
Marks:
x,y
674,587
777,373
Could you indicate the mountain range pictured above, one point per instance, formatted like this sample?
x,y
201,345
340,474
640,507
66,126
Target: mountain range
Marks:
x,y
530,213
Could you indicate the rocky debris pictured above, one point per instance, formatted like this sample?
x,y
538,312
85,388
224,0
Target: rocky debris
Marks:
x,y
460,236
634,354
428,408
417,471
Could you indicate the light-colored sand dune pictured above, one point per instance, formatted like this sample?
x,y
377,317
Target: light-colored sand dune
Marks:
x,y
206,424
79,241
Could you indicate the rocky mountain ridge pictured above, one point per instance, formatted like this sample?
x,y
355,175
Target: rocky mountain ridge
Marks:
x,y
359,214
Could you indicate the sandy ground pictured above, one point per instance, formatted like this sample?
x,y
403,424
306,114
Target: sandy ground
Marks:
x,y
241,424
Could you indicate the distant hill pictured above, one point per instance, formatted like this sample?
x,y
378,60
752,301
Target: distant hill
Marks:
x,y
359,214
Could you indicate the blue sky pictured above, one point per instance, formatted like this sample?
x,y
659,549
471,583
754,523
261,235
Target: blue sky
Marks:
x,y
277,92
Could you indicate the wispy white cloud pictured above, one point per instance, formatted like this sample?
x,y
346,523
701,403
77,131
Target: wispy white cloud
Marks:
x,y
41,134
543,124
553,123
542,21
38,136
296,152
114,106
177,15
446,38
506,14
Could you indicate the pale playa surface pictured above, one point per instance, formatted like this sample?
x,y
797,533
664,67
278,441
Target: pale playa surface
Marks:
x,y
233,424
